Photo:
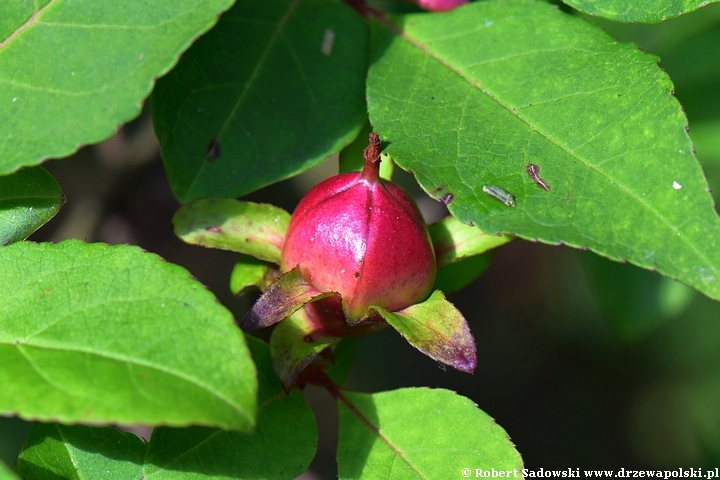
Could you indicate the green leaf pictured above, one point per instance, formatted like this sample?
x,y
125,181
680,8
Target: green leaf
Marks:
x,y
647,11
251,228
28,199
294,344
6,473
457,249
343,356
271,91
98,334
288,294
637,301
282,446
469,109
71,72
251,272
67,451
437,329
419,433
453,240
460,274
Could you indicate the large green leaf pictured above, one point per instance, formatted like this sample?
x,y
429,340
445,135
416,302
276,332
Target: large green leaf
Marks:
x,y
646,11
6,473
28,199
282,445
75,452
98,334
272,90
72,71
419,433
464,108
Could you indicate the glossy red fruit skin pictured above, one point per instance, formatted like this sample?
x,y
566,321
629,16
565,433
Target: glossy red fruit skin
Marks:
x,y
364,238
440,5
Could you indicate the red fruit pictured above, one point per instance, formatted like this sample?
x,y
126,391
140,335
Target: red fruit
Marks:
x,y
364,238
440,5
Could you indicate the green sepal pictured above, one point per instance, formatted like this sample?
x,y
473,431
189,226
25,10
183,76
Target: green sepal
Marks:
x,y
250,228
454,240
462,273
252,272
294,344
437,329
343,355
284,297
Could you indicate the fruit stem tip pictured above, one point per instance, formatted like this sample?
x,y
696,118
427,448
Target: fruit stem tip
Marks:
x,y
371,169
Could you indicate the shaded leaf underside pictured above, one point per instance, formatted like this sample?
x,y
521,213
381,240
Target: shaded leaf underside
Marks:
x,y
271,91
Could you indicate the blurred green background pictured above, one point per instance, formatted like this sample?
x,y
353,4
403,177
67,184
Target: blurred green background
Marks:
x,y
586,363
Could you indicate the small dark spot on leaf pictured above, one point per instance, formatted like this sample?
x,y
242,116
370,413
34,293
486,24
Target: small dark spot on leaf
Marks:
x,y
672,92
619,94
213,150
185,304
213,229
432,98
447,198
687,128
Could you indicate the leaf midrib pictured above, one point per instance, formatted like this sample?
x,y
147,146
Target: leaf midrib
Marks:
x,y
131,361
30,21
